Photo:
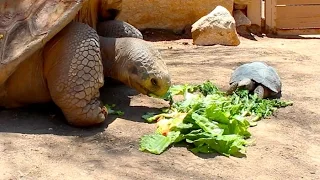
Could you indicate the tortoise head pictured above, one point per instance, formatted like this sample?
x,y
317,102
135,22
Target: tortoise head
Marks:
x,y
136,63
148,75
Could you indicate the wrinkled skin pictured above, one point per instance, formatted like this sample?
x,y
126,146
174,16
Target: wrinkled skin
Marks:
x,y
135,63
117,29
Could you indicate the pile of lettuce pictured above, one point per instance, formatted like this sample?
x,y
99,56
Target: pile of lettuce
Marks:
x,y
207,119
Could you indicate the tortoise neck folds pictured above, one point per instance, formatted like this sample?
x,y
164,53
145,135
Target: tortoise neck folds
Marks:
x,y
113,65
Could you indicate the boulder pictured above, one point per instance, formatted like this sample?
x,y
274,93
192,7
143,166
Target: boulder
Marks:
x,y
241,19
218,27
168,14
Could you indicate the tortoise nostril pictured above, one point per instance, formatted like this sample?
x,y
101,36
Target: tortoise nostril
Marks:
x,y
154,82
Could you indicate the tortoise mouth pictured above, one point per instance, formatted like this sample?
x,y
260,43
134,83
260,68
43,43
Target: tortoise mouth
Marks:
x,y
137,86
142,89
146,88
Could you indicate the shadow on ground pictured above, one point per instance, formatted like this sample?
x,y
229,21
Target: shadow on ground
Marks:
x,y
155,35
293,36
48,118
251,33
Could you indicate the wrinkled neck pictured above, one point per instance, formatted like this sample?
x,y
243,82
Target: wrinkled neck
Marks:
x,y
113,64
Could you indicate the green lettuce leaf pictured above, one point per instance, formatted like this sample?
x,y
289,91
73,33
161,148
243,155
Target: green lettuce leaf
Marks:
x,y
111,111
208,119
157,143
207,125
225,144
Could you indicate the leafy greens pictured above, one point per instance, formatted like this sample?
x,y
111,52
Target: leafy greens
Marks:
x,y
207,119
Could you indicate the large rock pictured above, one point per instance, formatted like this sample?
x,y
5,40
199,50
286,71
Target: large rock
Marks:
x,y
218,27
241,19
168,14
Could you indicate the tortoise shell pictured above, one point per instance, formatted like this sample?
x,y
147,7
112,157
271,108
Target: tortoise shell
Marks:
x,y
260,72
27,25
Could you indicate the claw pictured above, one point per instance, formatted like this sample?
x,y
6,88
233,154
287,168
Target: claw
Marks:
x,y
104,110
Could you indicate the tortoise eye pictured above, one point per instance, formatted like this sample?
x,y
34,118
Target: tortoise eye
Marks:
x,y
154,82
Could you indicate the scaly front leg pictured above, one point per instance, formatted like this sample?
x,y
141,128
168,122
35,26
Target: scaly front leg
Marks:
x,y
74,74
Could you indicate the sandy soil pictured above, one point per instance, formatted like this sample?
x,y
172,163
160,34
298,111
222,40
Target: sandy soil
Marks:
x,y
36,143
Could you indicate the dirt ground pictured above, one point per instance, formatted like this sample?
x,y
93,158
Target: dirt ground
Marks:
x,y
36,143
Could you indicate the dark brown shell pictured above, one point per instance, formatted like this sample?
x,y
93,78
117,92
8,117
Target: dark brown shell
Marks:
x,y
26,25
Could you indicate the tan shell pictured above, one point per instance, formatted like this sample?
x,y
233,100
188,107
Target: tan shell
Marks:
x,y
26,25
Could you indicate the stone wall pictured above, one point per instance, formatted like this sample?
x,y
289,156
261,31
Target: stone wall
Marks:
x,y
168,14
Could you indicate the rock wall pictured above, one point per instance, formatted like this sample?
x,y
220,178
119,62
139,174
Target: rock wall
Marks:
x,y
168,14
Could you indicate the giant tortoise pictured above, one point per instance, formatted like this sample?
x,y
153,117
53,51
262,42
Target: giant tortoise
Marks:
x,y
50,51
257,77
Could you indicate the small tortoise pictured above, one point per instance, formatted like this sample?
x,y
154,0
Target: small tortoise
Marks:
x,y
257,77
50,51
